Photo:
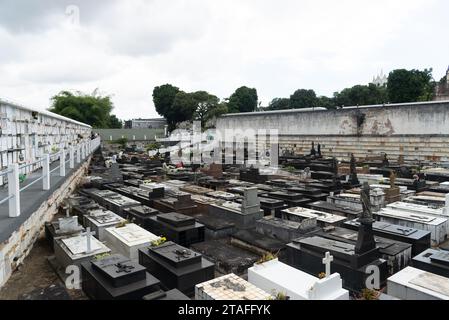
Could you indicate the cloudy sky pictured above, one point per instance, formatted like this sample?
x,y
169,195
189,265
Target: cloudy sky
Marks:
x,y
127,47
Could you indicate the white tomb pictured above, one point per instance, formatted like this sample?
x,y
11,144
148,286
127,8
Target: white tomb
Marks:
x,y
100,220
277,277
127,240
298,214
229,287
371,178
438,227
174,184
418,208
77,249
416,284
352,200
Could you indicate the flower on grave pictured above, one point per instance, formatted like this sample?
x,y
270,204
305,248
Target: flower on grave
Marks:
x,y
266,257
101,256
122,224
322,275
158,242
278,296
369,294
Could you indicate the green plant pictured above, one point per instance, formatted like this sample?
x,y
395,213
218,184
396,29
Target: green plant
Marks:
x,y
22,178
122,142
54,149
153,146
290,169
158,242
101,256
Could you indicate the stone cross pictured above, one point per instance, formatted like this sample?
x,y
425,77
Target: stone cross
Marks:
x,y
327,262
88,244
67,211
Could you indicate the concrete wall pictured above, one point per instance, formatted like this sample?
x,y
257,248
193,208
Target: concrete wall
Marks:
x,y
130,134
14,250
416,131
26,133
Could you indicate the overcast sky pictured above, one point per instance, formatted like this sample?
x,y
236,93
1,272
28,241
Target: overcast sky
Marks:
x,y
127,47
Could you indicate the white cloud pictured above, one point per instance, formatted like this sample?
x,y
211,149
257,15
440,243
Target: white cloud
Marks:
x,y
127,47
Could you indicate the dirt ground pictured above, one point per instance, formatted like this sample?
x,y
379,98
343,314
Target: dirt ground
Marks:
x,y
36,280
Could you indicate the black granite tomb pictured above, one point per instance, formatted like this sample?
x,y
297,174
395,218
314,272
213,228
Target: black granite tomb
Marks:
x,y
291,199
179,228
140,215
434,261
176,266
116,277
307,255
419,239
397,254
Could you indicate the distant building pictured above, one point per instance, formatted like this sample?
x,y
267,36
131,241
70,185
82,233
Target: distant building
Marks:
x,y
442,89
158,123
380,80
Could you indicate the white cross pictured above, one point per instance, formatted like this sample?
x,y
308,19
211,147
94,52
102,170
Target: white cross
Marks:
x,y
88,244
327,262
67,211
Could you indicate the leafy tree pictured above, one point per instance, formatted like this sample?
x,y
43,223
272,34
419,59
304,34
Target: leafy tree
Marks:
x,y
279,104
326,102
361,95
92,109
183,108
244,99
115,123
410,85
303,98
163,98
205,104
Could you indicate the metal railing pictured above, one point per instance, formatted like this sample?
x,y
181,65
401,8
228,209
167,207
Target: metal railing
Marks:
x,y
76,154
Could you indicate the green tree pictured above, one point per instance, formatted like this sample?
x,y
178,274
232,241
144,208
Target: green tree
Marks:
x,y
279,104
115,123
92,109
163,98
183,108
361,95
410,85
244,99
303,98
208,107
326,102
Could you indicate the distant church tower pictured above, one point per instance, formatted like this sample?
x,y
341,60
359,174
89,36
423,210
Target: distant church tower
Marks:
x,y
380,80
442,89
447,76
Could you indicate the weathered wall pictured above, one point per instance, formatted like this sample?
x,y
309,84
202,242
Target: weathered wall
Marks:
x,y
14,250
27,133
130,134
416,131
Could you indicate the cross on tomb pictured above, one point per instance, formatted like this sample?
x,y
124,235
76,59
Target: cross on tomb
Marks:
x,y
327,262
67,210
182,254
404,231
121,267
88,234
